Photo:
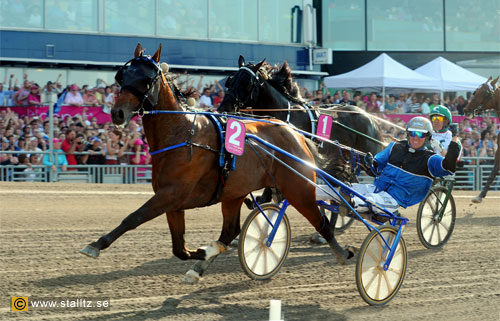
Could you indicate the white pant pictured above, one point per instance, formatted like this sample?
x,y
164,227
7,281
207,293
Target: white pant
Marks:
x,y
382,198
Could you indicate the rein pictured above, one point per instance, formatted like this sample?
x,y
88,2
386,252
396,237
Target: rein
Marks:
x,y
334,121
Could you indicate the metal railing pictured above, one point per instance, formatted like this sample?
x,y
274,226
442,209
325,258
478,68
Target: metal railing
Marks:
x,y
468,177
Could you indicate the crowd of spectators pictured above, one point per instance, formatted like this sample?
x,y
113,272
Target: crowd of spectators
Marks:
x,y
80,140
402,103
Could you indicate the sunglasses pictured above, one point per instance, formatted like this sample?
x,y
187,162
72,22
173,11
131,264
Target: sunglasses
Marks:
x,y
438,118
417,134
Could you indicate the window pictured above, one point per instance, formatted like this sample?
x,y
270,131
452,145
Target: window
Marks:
x,y
71,15
130,17
233,19
472,27
344,24
276,20
405,25
182,18
21,14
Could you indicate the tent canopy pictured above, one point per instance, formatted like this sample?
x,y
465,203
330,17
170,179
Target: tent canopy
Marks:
x,y
450,76
382,72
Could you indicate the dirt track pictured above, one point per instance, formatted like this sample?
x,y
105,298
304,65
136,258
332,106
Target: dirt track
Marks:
x,y
44,225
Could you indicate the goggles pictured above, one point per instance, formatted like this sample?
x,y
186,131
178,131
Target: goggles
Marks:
x,y
437,117
417,134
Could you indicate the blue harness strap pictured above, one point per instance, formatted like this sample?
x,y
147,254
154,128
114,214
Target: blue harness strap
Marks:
x,y
221,132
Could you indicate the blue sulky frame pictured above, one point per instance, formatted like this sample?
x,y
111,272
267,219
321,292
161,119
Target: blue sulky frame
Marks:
x,y
396,221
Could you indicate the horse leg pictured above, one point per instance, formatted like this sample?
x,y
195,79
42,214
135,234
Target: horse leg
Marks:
x,y
151,209
491,179
305,203
231,211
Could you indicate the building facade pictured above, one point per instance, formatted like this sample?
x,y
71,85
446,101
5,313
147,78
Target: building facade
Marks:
x,y
88,39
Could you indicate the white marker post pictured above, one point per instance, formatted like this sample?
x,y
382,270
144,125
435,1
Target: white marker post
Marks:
x,y
275,310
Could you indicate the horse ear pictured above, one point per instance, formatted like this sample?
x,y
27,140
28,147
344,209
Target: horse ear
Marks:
x,y
138,50
494,81
156,56
241,61
257,67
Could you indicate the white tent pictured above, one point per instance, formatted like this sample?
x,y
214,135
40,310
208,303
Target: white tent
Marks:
x,y
383,72
451,77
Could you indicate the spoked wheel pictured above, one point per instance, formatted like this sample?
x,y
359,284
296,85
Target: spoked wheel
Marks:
x,y
376,286
259,261
432,230
343,222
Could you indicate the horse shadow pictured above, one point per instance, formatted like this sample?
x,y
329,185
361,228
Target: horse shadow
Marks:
x,y
469,219
166,266
212,301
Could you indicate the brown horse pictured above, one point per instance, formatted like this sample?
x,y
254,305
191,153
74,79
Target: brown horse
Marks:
x,y
486,98
187,177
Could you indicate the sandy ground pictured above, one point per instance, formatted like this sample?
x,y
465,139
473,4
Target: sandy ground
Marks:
x,y
44,225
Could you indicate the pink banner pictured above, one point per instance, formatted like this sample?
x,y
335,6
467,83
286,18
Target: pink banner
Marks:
x,y
43,111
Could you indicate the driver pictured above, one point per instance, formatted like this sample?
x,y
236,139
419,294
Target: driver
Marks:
x,y
441,120
406,169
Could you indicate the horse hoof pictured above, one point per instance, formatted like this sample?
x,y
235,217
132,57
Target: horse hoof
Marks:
x,y
249,203
353,251
477,200
91,251
191,277
234,243
316,238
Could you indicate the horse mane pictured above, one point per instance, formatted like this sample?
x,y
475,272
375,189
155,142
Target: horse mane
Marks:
x,y
281,79
180,94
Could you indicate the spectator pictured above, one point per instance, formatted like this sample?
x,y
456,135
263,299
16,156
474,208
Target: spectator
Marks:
x,y
461,105
96,156
6,93
60,162
141,156
403,102
34,96
69,146
372,106
109,100
391,106
73,97
100,94
205,100
50,92
89,98
346,98
21,96
219,98
114,147
413,106
425,108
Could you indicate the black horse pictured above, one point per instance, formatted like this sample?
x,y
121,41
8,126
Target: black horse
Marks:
x,y
273,93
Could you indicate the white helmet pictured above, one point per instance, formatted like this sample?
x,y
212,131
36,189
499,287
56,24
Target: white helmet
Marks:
x,y
420,124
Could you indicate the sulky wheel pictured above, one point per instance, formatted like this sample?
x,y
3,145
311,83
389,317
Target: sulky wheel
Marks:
x,y
259,261
434,231
377,286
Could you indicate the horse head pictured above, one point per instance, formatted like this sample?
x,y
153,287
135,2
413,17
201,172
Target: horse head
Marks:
x,y
481,97
243,86
140,81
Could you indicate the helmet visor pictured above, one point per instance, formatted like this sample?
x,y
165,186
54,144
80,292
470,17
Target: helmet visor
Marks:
x,y
437,117
416,134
